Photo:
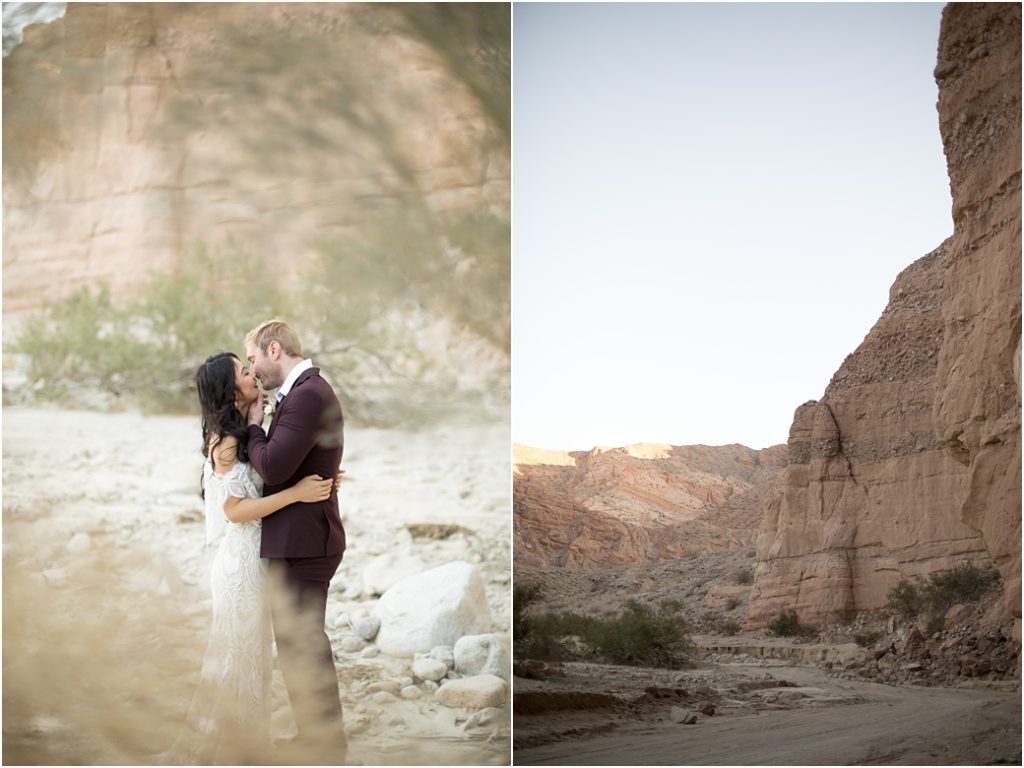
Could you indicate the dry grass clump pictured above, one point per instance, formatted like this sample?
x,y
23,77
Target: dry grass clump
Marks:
x,y
100,656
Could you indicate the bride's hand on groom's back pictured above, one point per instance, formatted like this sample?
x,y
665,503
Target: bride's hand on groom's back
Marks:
x,y
313,488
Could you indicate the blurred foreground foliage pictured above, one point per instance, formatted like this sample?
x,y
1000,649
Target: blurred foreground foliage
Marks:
x,y
406,306
362,312
145,351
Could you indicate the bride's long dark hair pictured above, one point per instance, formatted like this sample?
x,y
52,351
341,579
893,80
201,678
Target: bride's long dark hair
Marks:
x,y
216,387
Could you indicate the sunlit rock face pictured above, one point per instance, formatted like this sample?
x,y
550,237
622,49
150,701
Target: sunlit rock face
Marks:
x,y
133,132
910,462
638,504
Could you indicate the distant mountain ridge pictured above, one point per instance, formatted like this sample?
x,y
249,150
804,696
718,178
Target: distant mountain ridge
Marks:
x,y
639,503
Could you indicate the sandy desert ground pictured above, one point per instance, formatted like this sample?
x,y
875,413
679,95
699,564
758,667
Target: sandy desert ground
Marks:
x,y
765,713
105,596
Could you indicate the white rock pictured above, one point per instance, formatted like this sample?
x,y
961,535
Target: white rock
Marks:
x,y
390,686
352,644
429,669
411,692
79,543
482,655
354,725
387,569
367,628
684,716
443,653
431,686
404,681
383,697
476,692
433,608
337,620
370,652
359,614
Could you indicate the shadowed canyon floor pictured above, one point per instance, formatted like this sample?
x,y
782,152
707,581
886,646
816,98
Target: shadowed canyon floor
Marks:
x,y
771,713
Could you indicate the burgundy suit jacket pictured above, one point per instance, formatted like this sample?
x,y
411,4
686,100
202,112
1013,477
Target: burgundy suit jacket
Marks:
x,y
306,437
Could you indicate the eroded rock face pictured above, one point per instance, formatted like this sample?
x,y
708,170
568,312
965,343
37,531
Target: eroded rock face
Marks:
x,y
134,131
977,399
638,504
869,495
910,462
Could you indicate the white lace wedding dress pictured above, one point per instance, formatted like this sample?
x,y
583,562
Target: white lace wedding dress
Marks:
x,y
229,716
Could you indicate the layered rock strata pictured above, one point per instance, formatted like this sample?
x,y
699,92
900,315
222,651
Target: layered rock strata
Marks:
x,y
910,462
638,504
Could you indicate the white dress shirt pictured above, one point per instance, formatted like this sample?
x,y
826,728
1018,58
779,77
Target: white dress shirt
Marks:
x,y
289,382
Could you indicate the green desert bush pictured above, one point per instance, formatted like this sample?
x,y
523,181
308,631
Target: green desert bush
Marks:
x,y
788,624
144,351
866,639
906,598
744,575
532,639
639,636
933,597
963,584
645,637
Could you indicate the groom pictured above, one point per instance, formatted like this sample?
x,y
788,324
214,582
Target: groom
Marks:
x,y
304,542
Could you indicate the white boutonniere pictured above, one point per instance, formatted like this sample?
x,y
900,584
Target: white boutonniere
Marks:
x,y
268,409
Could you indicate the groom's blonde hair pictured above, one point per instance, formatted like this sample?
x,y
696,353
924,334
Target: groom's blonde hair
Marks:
x,y
275,330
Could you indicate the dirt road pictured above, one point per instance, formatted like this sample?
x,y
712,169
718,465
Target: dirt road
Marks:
x,y
886,725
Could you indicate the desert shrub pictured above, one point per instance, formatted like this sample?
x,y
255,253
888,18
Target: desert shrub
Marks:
x,y
145,351
523,595
642,636
83,340
729,627
866,639
532,635
905,598
744,575
639,636
788,624
963,584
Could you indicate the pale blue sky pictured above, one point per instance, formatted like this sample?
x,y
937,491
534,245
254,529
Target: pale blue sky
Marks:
x,y
710,203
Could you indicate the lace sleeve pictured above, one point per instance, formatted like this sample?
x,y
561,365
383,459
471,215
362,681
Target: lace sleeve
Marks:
x,y
236,483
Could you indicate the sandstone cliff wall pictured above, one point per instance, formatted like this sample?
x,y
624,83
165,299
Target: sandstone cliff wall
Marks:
x,y
132,131
638,504
978,397
910,462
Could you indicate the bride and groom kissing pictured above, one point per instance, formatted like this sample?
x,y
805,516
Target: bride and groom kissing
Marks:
x,y
271,505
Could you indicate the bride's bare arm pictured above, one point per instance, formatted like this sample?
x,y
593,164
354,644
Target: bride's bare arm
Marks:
x,y
310,489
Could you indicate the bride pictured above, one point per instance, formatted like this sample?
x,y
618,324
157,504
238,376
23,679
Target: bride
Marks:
x,y
229,716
